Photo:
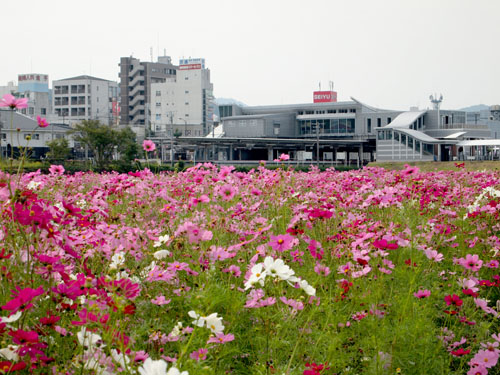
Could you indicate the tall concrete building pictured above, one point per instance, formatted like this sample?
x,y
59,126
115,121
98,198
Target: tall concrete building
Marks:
x,y
11,88
184,105
35,87
85,98
136,78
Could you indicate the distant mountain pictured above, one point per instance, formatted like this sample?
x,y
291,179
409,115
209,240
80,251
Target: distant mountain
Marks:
x,y
229,101
476,108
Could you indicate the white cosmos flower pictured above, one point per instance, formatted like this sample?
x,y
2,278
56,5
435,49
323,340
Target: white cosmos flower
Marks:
x,y
304,285
89,339
117,260
32,185
10,319
161,240
120,358
258,276
214,323
175,371
151,367
198,320
277,268
160,254
10,353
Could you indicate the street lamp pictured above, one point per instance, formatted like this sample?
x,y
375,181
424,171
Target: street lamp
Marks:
x,y
185,124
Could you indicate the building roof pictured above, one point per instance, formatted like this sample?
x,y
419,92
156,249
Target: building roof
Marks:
x,y
405,119
454,135
480,142
421,136
79,78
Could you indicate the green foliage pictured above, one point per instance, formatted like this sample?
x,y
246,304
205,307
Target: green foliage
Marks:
x,y
59,149
102,140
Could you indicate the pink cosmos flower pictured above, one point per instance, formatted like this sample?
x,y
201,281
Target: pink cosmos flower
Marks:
x,y
199,355
485,358
233,269
478,370
482,304
221,338
148,145
284,157
42,122
492,264
433,255
160,301
296,305
281,242
10,101
56,170
471,262
422,293
321,269
227,192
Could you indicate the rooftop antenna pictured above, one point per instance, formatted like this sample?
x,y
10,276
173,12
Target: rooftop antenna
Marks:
x,y
331,85
151,52
437,103
319,85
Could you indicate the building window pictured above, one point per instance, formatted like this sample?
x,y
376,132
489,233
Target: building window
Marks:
x,y
276,128
43,111
32,110
389,120
379,122
369,125
186,103
186,92
158,117
186,78
186,115
158,104
158,93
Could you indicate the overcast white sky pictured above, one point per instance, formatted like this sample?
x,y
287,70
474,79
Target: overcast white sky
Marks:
x,y
386,53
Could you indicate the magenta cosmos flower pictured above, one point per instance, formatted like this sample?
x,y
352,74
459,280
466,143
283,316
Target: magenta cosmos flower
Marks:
x,y
148,145
10,101
42,122
281,242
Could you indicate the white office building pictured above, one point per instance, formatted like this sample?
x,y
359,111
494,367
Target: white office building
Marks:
x,y
184,104
85,98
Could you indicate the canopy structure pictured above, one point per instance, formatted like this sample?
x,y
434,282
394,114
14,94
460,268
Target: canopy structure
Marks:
x,y
405,120
480,142
454,135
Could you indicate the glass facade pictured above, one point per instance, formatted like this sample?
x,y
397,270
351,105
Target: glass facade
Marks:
x,y
328,126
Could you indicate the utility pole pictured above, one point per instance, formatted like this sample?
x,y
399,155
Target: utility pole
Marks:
x,y
171,115
317,142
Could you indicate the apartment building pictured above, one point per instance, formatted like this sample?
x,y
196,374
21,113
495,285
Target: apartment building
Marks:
x,y
85,98
136,78
184,105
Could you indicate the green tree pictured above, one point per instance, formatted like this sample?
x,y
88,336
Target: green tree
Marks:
x,y
102,140
59,149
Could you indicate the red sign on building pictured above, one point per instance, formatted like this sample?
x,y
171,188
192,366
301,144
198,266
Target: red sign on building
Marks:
x,y
325,96
190,67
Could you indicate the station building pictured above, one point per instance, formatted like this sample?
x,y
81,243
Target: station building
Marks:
x,y
328,131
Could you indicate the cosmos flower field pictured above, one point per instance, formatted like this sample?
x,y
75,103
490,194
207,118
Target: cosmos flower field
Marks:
x,y
214,271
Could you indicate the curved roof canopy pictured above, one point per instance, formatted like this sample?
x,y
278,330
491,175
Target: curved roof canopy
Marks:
x,y
405,119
